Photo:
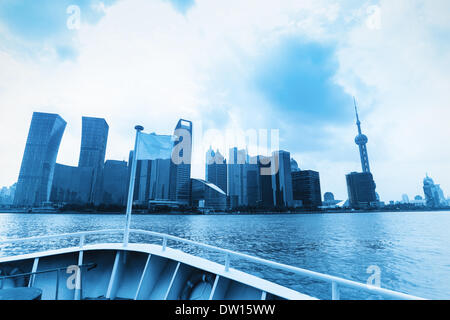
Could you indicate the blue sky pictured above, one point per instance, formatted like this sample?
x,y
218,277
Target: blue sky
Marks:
x,y
289,65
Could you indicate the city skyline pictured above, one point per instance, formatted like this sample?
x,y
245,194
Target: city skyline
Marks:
x,y
242,178
296,71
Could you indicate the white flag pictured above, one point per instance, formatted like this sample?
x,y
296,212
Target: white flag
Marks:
x,y
152,147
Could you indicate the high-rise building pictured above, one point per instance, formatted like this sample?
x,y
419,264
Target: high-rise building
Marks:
x,y
115,186
207,195
180,171
265,192
361,186
237,177
92,155
71,185
361,190
160,179
434,195
282,179
252,184
39,159
216,169
142,181
306,187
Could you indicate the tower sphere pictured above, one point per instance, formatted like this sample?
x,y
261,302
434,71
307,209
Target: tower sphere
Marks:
x,y
361,139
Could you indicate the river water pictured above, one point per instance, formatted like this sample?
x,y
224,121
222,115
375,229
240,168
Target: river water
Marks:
x,y
412,250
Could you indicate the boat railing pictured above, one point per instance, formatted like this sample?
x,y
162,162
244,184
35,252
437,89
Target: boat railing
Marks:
x,y
335,282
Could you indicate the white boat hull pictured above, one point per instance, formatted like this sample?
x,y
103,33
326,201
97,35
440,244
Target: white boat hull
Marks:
x,y
136,272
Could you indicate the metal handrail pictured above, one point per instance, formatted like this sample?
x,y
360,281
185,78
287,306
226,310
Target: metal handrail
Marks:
x,y
335,282
88,267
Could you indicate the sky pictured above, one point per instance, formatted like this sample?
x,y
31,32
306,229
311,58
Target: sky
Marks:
x,y
234,66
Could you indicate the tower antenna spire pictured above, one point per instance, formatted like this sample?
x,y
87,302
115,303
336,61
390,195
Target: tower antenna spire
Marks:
x,y
358,123
361,140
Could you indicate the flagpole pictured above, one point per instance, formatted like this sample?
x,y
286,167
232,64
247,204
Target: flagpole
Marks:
x,y
131,186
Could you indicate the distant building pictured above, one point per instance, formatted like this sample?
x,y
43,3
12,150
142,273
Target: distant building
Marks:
x,y
159,179
180,174
142,182
306,187
216,172
94,139
38,164
361,190
252,183
211,195
115,186
265,190
71,185
7,195
152,180
405,199
237,177
329,201
294,166
433,193
282,179
328,196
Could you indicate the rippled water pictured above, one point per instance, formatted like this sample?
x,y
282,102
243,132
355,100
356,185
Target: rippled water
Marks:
x,y
411,249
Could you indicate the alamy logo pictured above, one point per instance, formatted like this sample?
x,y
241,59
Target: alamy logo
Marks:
x,y
74,280
74,20
375,278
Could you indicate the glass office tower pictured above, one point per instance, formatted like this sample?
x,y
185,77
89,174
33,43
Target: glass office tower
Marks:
x,y
39,159
92,155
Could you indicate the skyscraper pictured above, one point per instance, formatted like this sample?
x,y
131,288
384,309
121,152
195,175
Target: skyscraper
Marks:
x,y
216,169
237,177
180,171
39,159
282,179
433,193
71,185
361,186
265,192
361,190
142,182
160,179
115,187
306,187
92,155
252,184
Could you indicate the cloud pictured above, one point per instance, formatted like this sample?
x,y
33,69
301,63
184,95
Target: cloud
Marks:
x,y
406,110
41,26
290,65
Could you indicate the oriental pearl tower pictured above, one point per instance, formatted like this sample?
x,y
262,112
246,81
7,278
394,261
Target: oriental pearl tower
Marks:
x,y
361,140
